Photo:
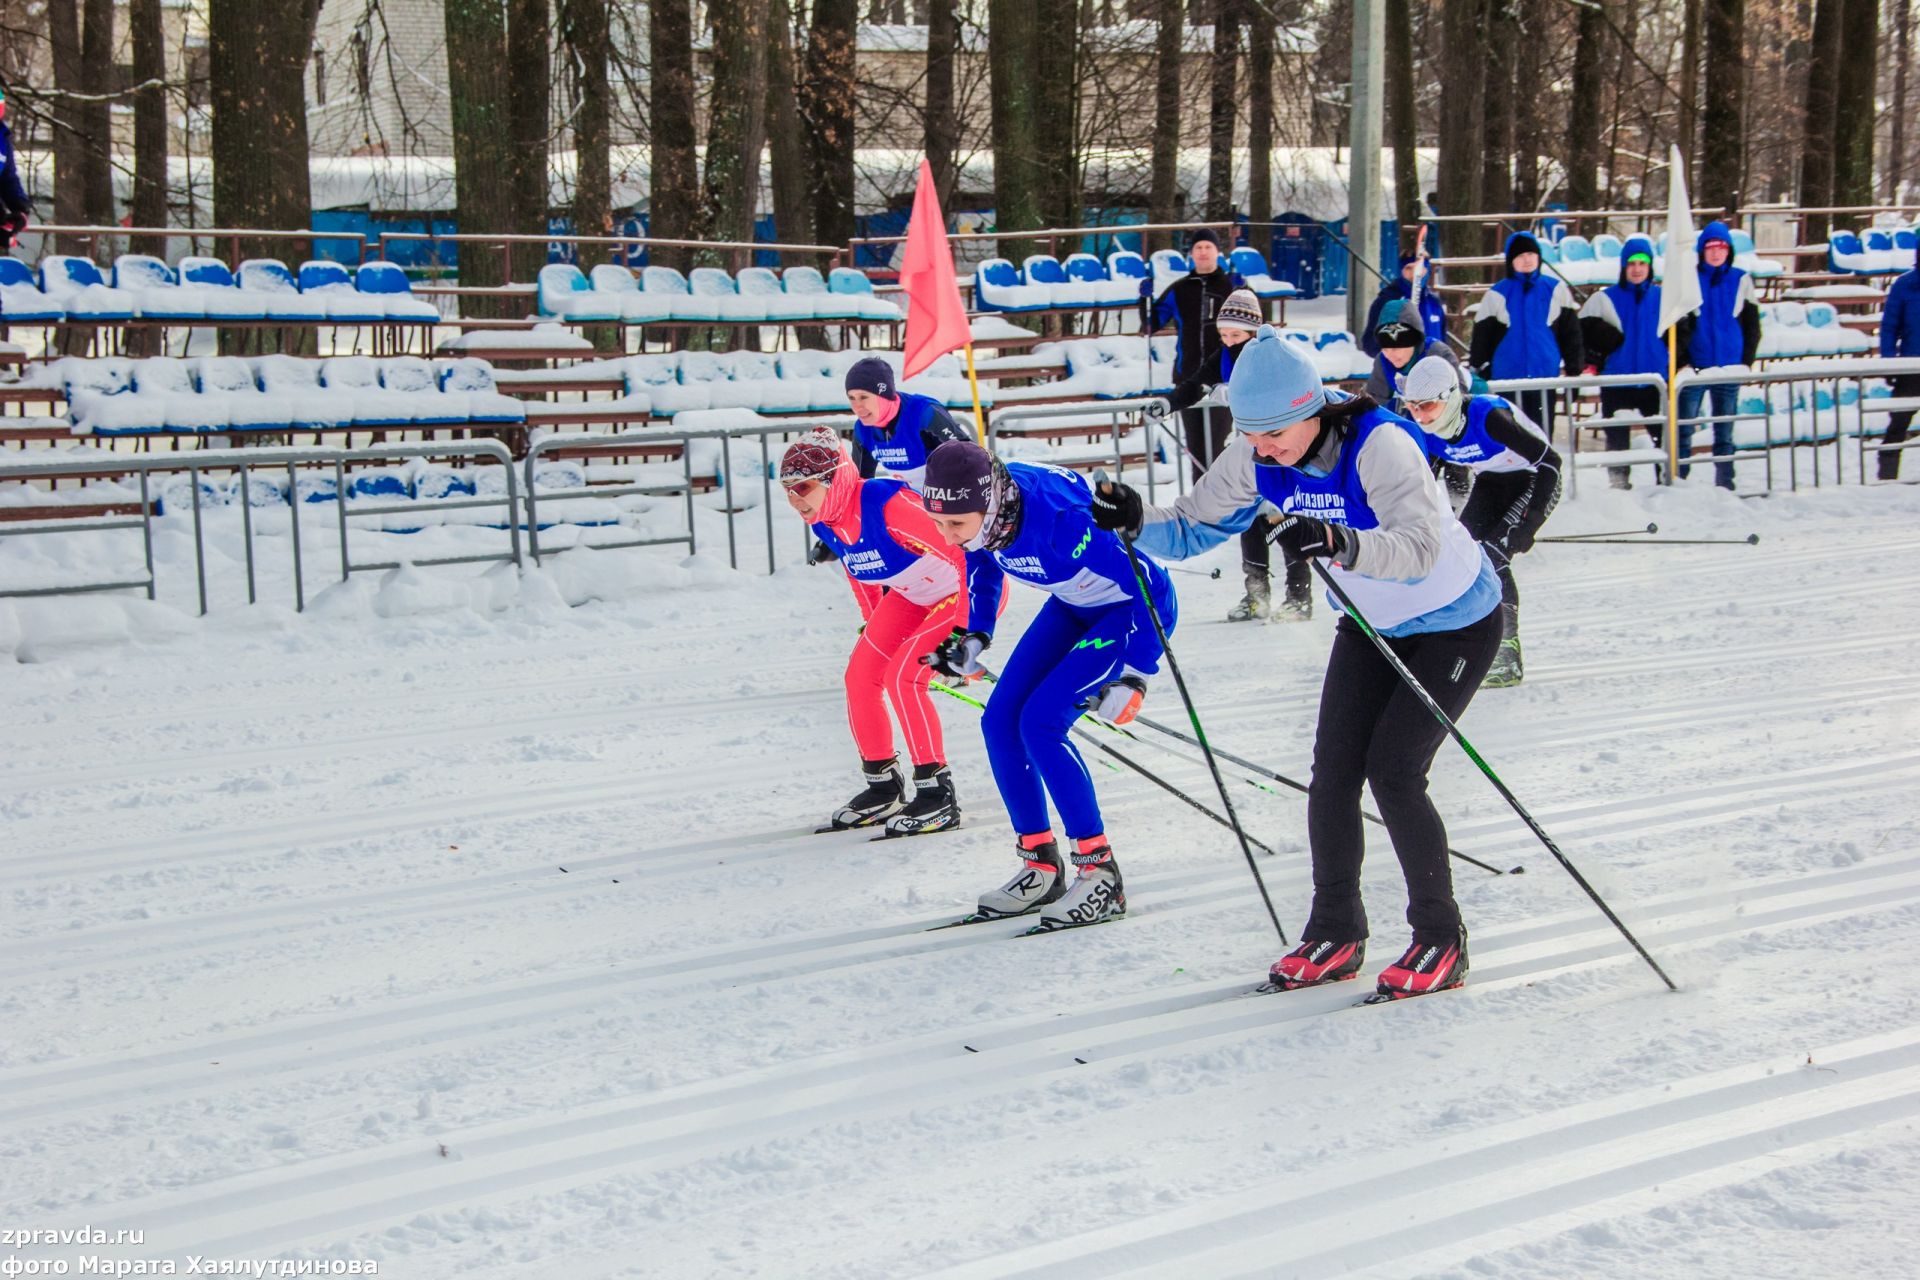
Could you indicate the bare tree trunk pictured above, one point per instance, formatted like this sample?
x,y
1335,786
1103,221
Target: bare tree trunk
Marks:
x,y
1688,131
1401,122
1163,199
1903,60
1056,114
1260,120
831,89
81,35
673,194
1583,110
786,142
1012,33
1496,161
149,123
1618,77
736,122
1224,108
257,81
96,43
484,166
585,36
1534,23
1853,114
529,76
1723,117
1462,106
943,124
1816,142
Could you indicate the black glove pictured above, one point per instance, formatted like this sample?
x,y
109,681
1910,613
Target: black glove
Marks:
x,y
1116,506
821,553
1519,539
959,654
14,223
1305,536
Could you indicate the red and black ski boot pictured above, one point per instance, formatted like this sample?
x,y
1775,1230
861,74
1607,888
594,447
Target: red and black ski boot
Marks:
x,y
1312,963
1425,968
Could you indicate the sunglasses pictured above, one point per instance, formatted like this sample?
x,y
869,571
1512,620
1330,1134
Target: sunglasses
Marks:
x,y
800,486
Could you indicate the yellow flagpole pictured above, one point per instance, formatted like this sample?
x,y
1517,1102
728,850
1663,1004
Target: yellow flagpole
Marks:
x,y
979,418
1673,405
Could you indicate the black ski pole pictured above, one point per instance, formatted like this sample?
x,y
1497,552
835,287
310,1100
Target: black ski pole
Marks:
x,y
1301,787
1751,540
1611,533
1108,750
1194,572
1393,660
1213,766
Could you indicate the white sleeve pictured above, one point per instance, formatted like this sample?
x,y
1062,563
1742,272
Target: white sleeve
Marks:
x,y
1412,508
1492,306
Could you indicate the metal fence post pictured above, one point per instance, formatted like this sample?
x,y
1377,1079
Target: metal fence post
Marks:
x,y
293,512
199,545
246,529
146,533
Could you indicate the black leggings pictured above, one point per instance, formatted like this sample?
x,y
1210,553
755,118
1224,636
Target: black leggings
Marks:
x,y
1904,387
1497,496
1207,432
1373,729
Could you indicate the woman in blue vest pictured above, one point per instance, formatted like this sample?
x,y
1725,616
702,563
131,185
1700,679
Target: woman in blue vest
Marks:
x,y
1355,484
1620,328
894,430
1092,646
1723,334
1516,481
1526,326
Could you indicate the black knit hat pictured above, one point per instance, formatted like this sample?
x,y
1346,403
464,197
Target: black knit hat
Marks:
x,y
1202,234
873,375
1518,243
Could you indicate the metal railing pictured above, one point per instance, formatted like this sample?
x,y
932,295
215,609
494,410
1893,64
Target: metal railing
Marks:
x,y
1123,416
1815,372
242,462
1575,425
233,235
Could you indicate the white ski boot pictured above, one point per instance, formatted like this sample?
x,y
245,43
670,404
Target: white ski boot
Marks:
x,y
1096,894
1041,879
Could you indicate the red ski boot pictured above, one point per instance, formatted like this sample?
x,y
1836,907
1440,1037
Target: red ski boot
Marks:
x,y
1425,968
1312,963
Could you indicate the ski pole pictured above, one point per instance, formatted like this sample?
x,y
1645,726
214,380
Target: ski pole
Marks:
x,y
1301,787
1611,533
1193,572
1751,540
1213,766
1419,690
1108,750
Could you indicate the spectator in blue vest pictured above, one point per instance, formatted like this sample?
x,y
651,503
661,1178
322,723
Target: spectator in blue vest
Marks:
x,y
1527,326
1433,316
1723,334
15,208
1620,327
1900,337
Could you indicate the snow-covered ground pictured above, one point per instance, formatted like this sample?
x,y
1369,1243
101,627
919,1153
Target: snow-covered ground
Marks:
x,y
491,943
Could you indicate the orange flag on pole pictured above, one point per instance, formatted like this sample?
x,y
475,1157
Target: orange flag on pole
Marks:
x,y
936,318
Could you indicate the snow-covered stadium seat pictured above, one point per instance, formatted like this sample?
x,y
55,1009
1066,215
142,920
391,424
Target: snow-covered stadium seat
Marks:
x,y
666,282
413,378
1086,269
295,383
810,287
710,372
717,287
997,287
471,383
1043,271
248,408
657,377
847,282
1253,269
1125,264
387,283
279,295
219,293
561,291
355,382
167,386
100,400
1845,253
76,285
1168,262
1905,243
155,289
763,287
329,285
21,300
815,375
617,287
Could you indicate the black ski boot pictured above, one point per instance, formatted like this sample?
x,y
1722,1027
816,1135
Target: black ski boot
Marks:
x,y
934,806
886,795
1507,669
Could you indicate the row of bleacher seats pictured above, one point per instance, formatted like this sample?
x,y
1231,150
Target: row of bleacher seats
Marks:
x,y
204,291
1581,261
1881,251
1080,280
162,395
417,479
1789,329
708,295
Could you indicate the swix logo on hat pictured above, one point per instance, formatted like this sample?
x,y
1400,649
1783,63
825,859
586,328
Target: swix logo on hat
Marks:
x,y
1298,401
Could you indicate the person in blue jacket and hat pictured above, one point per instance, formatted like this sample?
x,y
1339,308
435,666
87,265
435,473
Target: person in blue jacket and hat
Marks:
x,y
1527,326
1900,337
1723,334
1620,327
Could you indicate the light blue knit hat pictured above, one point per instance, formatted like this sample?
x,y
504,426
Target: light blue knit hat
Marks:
x,y
1273,384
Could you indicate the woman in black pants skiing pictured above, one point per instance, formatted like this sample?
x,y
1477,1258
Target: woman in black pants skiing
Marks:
x,y
1357,493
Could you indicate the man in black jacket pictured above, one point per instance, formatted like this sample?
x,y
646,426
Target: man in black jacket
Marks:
x,y
1191,305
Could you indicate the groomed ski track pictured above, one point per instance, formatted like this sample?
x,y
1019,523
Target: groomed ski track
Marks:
x,y
501,948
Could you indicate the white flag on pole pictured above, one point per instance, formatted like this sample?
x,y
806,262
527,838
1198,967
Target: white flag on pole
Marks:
x,y
1679,279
